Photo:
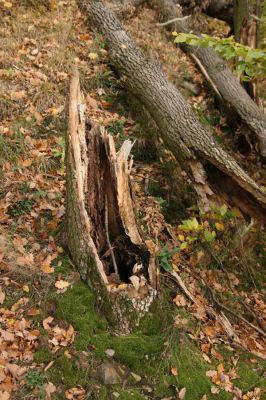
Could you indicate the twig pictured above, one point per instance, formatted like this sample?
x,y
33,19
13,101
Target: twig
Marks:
x,y
257,18
220,317
232,289
205,73
183,287
253,315
223,307
171,21
107,234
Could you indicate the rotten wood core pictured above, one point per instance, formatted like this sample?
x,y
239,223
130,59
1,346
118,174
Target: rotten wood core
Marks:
x,y
115,234
101,229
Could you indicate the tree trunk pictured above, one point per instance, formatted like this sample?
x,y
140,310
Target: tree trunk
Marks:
x,y
247,14
220,9
101,233
179,127
221,77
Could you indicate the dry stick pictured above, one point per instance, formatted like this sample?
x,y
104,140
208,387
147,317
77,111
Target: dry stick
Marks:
x,y
171,21
221,318
231,311
107,234
183,287
253,315
205,73
232,289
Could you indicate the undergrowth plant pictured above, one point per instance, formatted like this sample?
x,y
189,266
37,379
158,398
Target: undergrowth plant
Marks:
x,y
248,61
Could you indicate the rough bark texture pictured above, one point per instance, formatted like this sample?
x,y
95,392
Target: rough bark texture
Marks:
x,y
220,75
179,127
247,14
100,226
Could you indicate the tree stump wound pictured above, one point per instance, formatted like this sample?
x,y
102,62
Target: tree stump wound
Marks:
x,y
101,232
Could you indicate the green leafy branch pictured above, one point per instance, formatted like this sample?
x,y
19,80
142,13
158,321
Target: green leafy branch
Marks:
x,y
248,61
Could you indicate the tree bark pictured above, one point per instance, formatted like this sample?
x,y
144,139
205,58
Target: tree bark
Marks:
x,y
101,232
179,127
220,75
220,9
247,14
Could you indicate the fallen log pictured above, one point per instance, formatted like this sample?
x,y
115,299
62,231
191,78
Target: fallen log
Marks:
x,y
220,9
180,129
218,73
100,229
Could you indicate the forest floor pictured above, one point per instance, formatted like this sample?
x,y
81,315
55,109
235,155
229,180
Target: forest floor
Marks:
x,y
54,341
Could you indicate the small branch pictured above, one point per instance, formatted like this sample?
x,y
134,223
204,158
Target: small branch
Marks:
x,y
205,73
223,307
257,19
171,21
107,234
183,286
220,317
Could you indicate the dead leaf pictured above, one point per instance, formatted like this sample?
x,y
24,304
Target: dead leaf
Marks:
x,y
182,393
4,395
46,323
93,56
49,389
61,284
180,300
33,311
2,296
174,371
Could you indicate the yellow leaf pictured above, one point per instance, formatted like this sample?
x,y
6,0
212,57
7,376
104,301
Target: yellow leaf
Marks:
x,y
7,4
220,368
219,226
93,56
181,238
26,288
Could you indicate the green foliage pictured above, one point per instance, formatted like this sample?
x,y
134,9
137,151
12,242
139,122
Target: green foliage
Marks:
x,y
21,207
60,152
247,60
116,127
34,379
165,255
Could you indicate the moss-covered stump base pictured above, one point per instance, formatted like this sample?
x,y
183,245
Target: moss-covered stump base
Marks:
x,y
101,231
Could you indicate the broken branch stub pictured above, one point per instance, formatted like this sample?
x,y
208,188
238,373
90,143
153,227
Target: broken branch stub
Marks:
x,y
101,231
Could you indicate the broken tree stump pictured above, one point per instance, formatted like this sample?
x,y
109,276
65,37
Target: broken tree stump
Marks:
x,y
101,230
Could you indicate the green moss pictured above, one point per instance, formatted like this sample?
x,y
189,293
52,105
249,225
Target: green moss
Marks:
x,y
66,267
43,355
251,374
77,307
132,394
68,372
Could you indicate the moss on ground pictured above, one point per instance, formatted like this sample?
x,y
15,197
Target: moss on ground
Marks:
x,y
68,372
151,352
43,355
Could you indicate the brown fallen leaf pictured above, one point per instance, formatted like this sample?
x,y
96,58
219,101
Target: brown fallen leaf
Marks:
x,y
61,284
46,323
2,296
49,389
33,311
182,393
4,395
174,371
